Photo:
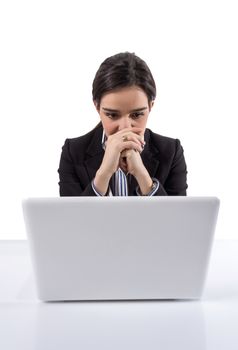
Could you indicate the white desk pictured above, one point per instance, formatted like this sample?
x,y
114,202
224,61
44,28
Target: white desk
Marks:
x,y
26,323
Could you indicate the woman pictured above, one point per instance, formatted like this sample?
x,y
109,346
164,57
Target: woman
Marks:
x,y
120,156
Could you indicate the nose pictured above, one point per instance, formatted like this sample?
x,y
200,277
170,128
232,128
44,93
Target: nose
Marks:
x,y
125,122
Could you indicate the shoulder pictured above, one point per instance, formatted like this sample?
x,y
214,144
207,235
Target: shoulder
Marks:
x,y
162,144
86,138
80,146
167,150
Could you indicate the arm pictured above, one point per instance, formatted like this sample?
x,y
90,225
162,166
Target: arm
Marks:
x,y
175,183
69,183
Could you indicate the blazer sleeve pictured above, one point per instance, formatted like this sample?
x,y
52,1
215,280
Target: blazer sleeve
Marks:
x,y
69,184
175,183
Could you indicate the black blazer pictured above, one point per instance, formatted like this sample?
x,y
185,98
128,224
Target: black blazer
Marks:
x,y
82,156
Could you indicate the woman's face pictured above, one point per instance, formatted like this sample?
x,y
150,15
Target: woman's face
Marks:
x,y
124,108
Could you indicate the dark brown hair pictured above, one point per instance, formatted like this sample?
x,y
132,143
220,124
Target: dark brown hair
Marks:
x,y
122,70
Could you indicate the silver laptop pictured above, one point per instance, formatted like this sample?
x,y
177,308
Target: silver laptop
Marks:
x,y
112,248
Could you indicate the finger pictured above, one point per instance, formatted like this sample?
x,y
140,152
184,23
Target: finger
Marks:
x,y
139,141
130,136
123,153
123,163
136,130
130,145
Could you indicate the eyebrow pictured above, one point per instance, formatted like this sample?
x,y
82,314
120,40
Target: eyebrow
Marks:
x,y
116,110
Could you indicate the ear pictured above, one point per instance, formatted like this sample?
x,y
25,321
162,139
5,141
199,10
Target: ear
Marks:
x,y
151,104
96,105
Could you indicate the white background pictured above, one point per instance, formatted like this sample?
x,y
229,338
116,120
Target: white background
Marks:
x,y
49,53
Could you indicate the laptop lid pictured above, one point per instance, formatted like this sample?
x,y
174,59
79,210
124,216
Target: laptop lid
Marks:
x,y
97,248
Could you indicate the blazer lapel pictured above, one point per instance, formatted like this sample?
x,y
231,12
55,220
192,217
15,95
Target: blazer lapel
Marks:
x,y
150,155
94,153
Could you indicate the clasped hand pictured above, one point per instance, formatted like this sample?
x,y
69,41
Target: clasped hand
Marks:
x,y
123,150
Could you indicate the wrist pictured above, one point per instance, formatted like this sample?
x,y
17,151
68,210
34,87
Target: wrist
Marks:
x,y
142,174
145,183
103,174
101,182
153,189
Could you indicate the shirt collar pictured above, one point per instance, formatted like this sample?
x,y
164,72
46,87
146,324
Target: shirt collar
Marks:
x,y
104,139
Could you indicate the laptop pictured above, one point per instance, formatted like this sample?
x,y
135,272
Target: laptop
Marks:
x,y
120,248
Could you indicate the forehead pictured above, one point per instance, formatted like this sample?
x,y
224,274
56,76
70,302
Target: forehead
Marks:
x,y
125,98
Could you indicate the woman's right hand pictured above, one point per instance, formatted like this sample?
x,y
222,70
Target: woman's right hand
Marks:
x,y
129,138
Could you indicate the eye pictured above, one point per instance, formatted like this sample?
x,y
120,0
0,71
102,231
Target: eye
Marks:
x,y
137,115
112,115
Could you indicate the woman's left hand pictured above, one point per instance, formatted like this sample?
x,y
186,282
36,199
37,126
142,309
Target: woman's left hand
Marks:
x,y
131,162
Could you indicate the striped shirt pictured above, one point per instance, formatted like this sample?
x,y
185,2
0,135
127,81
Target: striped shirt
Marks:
x,y
120,181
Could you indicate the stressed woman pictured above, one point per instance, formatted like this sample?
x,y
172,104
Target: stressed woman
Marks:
x,y
120,156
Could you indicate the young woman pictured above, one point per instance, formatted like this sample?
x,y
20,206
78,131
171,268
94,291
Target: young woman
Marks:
x,y
120,156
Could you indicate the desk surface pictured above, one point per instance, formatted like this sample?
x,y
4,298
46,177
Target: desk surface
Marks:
x,y
26,323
